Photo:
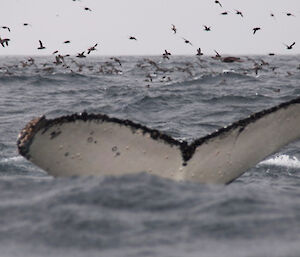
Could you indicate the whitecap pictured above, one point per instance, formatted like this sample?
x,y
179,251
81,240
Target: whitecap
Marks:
x,y
11,159
282,161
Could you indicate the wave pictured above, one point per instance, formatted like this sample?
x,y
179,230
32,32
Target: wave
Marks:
x,y
282,161
13,159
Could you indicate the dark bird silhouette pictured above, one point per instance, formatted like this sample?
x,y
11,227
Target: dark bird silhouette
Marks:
x,y
92,48
41,45
132,38
174,28
58,60
26,24
272,15
289,14
290,46
187,41
224,13
67,42
4,41
206,28
199,53
218,2
87,9
217,54
81,55
166,54
55,52
255,29
5,27
239,13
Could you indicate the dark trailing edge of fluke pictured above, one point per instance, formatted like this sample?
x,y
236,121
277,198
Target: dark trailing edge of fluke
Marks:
x,y
187,150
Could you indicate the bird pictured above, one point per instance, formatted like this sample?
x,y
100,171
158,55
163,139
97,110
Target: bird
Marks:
x,y
4,42
206,28
92,48
41,45
87,9
187,41
166,54
174,28
58,60
199,52
289,14
217,2
290,46
5,27
26,24
217,54
239,13
67,42
224,13
255,29
132,38
81,55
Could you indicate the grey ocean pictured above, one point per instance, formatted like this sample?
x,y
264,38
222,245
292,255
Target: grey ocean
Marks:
x,y
143,215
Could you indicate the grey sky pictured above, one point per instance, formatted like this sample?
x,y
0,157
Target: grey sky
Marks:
x,y
111,22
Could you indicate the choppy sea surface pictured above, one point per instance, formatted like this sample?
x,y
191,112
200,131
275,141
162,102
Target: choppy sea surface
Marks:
x,y
143,215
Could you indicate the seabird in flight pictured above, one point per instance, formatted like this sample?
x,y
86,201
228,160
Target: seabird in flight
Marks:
x,y
92,48
41,45
4,41
199,52
224,13
218,2
166,54
289,14
5,27
206,28
239,13
187,41
255,29
290,46
80,55
174,28
132,38
217,54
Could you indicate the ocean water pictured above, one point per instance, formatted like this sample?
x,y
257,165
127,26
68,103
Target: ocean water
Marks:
x,y
143,215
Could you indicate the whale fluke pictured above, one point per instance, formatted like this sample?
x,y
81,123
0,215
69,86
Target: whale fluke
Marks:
x,y
95,144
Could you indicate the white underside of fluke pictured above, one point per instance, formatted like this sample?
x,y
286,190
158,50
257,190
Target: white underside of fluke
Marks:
x,y
104,147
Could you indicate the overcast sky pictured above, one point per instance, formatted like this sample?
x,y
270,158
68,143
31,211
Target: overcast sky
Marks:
x,y
111,22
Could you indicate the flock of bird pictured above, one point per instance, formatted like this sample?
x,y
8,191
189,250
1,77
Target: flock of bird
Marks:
x,y
110,68
5,41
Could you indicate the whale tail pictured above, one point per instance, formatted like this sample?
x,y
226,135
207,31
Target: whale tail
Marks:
x,y
95,144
